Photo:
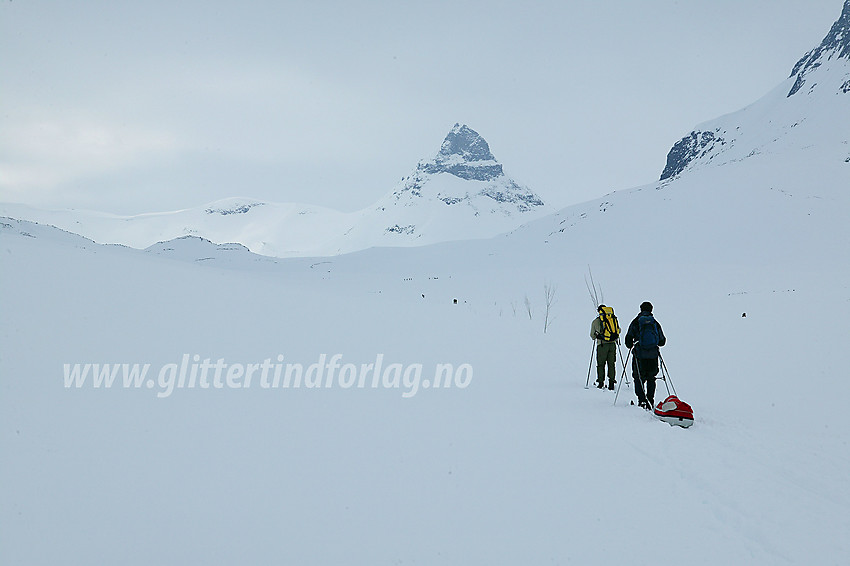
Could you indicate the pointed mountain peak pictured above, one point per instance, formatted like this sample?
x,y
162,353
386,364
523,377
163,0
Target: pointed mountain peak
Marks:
x,y
467,143
463,175
836,45
465,154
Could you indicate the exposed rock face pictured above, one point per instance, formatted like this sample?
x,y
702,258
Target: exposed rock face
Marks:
x,y
689,148
836,45
465,154
235,209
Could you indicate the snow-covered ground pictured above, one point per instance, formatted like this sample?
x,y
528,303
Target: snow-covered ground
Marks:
x,y
523,465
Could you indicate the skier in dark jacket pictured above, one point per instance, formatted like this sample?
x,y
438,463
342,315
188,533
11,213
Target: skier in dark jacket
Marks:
x,y
643,339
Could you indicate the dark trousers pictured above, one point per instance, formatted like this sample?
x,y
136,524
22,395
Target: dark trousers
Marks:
x,y
644,371
606,354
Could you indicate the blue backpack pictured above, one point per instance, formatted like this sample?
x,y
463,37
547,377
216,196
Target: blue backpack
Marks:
x,y
647,332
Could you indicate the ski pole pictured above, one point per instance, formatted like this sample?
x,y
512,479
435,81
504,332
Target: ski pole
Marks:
x,y
590,365
664,379
640,382
624,373
666,371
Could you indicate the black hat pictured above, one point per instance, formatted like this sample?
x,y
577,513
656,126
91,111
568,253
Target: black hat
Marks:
x,y
646,306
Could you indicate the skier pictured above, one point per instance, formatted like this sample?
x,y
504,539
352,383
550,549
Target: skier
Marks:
x,y
643,338
606,331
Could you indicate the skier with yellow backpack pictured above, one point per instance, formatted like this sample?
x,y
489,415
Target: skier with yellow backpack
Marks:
x,y
606,331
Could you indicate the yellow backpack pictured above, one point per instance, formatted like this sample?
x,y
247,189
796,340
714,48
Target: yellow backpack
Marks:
x,y
610,326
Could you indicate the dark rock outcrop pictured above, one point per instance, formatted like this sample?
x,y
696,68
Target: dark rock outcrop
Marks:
x,y
689,148
836,45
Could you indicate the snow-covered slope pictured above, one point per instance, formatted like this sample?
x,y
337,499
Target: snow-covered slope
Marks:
x,y
520,466
462,193
267,228
809,109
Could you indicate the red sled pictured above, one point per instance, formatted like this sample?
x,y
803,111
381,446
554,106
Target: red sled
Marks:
x,y
674,411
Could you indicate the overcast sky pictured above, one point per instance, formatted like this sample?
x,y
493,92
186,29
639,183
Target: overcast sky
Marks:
x,y
133,107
